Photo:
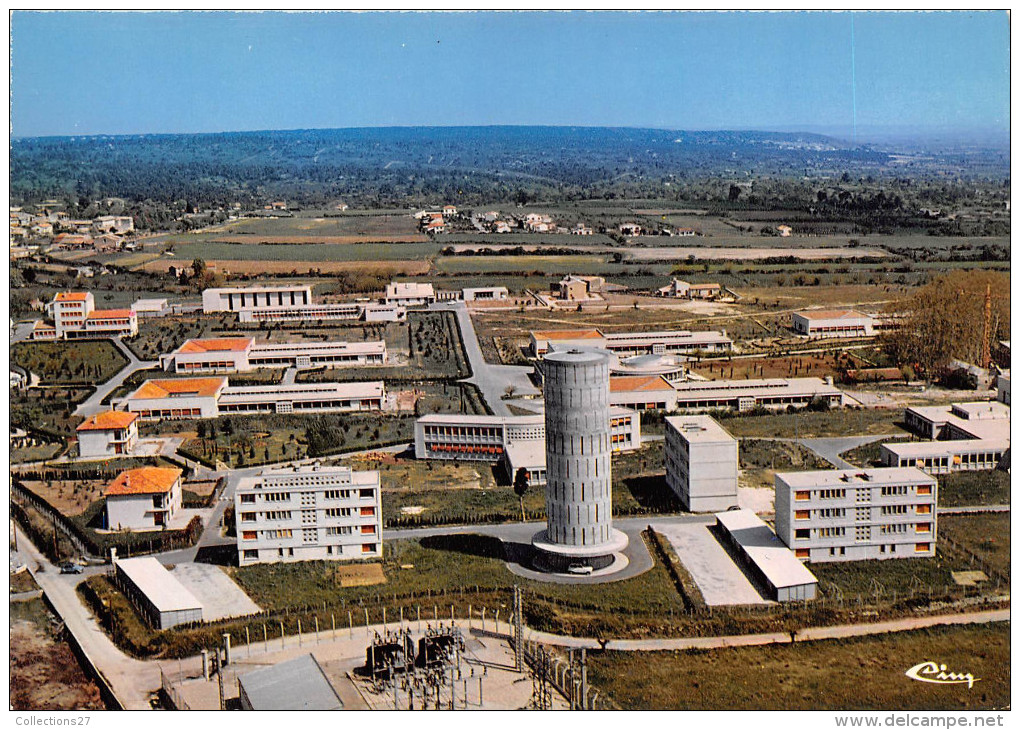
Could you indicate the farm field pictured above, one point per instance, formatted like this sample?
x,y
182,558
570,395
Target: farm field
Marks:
x,y
791,366
985,534
819,675
314,267
215,250
326,225
838,422
69,497
47,409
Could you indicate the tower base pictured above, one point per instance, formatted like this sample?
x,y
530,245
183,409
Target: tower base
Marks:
x,y
576,559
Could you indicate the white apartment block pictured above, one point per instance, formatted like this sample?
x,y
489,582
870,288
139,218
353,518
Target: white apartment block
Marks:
x,y
236,299
857,514
75,316
701,463
241,354
111,433
214,396
409,294
832,323
308,513
1002,393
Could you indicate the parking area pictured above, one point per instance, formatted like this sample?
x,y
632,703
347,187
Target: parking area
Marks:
x,y
221,597
721,581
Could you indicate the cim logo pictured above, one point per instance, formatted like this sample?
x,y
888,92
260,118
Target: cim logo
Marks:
x,y
936,674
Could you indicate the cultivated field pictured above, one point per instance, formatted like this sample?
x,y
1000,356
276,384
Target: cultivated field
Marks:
x,y
285,266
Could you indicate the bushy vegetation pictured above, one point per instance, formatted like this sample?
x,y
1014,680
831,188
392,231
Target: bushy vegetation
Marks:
x,y
88,362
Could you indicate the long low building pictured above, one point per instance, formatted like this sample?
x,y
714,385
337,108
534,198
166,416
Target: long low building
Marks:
x,y
156,593
826,323
236,299
746,395
178,398
945,457
513,441
241,354
343,311
625,344
766,558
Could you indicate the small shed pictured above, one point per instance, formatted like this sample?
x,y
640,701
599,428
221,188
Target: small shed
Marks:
x,y
765,556
298,684
156,593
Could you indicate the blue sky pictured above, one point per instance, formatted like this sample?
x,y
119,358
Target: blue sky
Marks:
x,y
126,73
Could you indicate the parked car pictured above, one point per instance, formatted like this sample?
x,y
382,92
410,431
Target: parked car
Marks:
x,y
73,568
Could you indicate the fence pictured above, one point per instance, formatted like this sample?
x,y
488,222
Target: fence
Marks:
x,y
566,680
975,560
171,695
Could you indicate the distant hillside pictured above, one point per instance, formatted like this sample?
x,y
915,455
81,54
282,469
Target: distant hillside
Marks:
x,y
390,165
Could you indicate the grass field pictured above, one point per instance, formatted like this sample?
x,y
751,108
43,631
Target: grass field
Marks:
x,y
987,535
328,224
212,250
69,363
974,488
838,422
848,674
289,266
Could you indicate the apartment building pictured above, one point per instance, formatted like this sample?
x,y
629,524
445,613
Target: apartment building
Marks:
x,y
857,514
143,499
310,313
308,513
111,433
237,299
701,463
241,354
214,396
74,316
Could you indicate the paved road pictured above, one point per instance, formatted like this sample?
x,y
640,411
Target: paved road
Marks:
x,y
93,404
830,448
491,380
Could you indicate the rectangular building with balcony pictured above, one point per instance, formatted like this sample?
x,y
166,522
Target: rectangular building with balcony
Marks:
x,y
143,499
857,514
308,513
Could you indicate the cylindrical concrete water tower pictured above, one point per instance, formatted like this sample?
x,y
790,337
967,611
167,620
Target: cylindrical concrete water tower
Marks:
x,y
578,494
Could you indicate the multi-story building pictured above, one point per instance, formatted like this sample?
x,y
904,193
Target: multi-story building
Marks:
x,y
701,463
625,344
857,514
308,513
214,396
75,316
832,323
241,354
143,499
347,311
110,433
1002,392
513,441
237,299
409,293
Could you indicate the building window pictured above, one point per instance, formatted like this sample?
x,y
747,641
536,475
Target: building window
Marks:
x,y
923,527
251,554
924,509
926,489
802,534
803,553
368,529
368,548
249,535
802,514
922,547
802,496
247,499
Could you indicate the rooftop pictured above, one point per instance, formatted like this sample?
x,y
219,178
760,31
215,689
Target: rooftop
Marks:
x,y
111,314
218,344
776,561
638,383
830,314
198,387
592,334
297,684
71,296
108,421
158,584
855,477
144,480
700,429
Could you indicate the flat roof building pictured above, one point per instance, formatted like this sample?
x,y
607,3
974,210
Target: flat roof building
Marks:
x,y
308,513
857,514
746,395
485,294
766,558
409,293
236,299
701,463
832,323
624,344
344,311
156,593
297,684
151,307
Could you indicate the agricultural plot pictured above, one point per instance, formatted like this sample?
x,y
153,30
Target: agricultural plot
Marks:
x,y
254,267
48,411
69,497
215,250
807,424
327,225
985,535
974,488
821,675
799,366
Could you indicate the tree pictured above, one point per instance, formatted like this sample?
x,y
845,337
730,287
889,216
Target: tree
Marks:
x,y
198,268
521,484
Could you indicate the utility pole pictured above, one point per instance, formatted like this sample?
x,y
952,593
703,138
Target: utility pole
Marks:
x,y
986,344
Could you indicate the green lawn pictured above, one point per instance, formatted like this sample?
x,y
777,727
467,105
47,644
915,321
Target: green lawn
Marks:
x,y
974,488
805,424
